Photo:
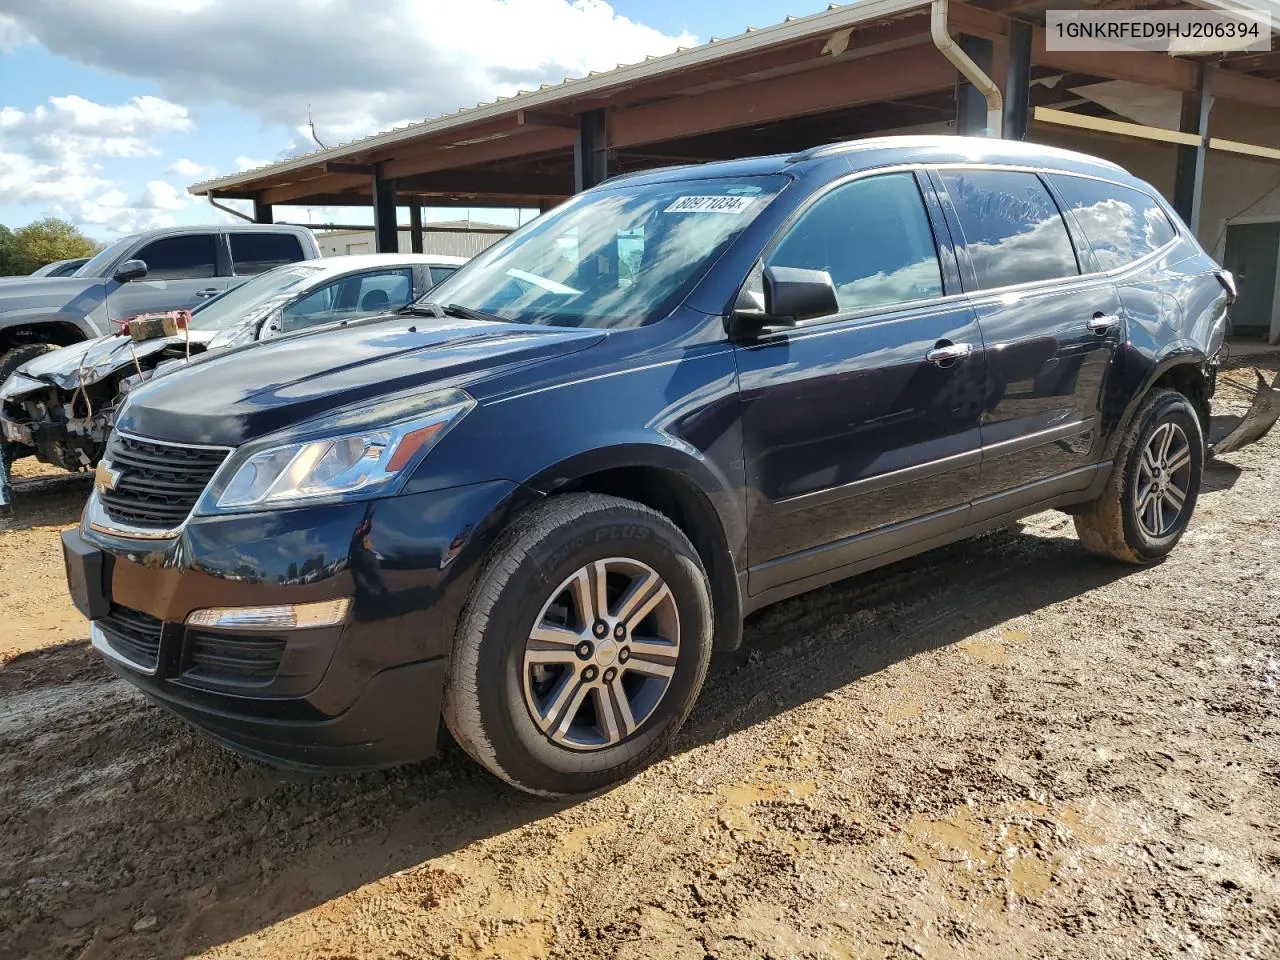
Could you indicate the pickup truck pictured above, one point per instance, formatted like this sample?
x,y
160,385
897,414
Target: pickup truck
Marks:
x,y
184,267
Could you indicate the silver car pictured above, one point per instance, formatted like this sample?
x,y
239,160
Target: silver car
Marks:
x,y
60,406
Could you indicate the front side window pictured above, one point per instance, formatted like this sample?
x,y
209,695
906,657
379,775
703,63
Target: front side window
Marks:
x,y
191,256
259,251
873,237
615,257
1012,228
362,295
1121,224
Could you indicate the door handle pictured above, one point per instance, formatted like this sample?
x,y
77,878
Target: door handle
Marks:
x,y
1100,323
208,292
945,353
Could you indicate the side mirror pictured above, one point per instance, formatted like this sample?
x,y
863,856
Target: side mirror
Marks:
x,y
789,295
130,270
793,294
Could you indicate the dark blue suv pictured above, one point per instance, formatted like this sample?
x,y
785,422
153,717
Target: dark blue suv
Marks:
x,y
535,504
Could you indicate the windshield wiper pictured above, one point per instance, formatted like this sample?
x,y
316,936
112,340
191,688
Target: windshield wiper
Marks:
x,y
431,309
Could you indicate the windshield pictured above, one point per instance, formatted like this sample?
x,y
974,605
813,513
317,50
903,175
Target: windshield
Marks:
x,y
251,298
104,258
620,257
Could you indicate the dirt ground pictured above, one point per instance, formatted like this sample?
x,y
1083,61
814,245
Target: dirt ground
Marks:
x,y
1004,748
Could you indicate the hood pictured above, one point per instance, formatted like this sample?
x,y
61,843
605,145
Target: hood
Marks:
x,y
85,363
226,398
45,291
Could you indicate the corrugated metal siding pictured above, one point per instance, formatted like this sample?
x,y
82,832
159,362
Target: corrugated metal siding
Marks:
x,y
451,244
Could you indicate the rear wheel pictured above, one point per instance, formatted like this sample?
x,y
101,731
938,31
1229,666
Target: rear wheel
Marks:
x,y
582,648
1154,484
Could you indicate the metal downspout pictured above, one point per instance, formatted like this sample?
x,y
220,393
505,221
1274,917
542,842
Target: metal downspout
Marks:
x,y
968,69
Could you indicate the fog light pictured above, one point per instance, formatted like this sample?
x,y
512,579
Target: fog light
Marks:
x,y
292,616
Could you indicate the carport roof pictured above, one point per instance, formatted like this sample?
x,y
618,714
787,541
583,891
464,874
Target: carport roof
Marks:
x,y
545,119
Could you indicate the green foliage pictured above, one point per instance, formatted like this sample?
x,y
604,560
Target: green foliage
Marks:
x,y
41,242
8,247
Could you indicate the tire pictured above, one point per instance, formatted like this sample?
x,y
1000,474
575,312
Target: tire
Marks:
x,y
502,708
1113,526
9,362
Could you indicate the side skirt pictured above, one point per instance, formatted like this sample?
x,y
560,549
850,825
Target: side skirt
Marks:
x,y
810,569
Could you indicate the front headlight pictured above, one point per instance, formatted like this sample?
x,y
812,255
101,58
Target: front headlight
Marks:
x,y
362,463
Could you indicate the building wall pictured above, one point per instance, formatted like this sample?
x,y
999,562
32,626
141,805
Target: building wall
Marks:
x,y
336,243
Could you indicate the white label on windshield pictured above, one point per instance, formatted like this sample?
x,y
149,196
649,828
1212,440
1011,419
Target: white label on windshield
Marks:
x,y
721,204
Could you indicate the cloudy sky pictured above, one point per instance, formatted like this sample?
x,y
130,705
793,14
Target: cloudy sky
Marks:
x,y
109,109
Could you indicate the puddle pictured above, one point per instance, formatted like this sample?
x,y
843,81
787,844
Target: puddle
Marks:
x,y
985,651
1010,844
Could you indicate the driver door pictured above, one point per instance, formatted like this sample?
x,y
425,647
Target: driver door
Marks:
x,y
860,431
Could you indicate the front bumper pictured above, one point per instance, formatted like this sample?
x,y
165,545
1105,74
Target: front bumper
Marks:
x,y
366,693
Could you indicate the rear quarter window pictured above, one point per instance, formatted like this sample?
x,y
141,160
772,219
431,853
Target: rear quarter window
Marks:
x,y
1121,224
1013,230
258,252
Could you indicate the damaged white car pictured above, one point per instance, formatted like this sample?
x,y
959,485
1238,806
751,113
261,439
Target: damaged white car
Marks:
x,y
60,406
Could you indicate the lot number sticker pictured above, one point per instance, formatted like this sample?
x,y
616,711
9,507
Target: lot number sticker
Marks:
x,y
722,204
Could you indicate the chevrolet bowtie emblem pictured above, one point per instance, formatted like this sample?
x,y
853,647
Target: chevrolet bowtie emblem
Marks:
x,y
105,478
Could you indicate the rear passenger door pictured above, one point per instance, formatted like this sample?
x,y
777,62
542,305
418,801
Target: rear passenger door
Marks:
x,y
857,425
1050,334
182,271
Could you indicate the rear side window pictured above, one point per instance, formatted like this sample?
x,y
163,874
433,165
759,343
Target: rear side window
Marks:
x,y
1121,224
439,273
873,237
187,257
258,252
1012,228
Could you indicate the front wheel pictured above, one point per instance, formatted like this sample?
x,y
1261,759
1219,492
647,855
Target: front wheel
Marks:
x,y
1155,481
582,647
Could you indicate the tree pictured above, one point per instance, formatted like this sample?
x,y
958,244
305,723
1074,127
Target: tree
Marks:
x,y
8,249
45,241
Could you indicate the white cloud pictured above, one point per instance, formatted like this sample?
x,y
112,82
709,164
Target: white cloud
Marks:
x,y
49,158
191,171
409,59
248,163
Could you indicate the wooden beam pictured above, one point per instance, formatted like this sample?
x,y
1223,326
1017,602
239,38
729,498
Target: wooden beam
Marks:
x,y
529,141
1244,149
963,18
1102,125
1230,85
1156,69
303,189
540,118
487,182
337,166
841,84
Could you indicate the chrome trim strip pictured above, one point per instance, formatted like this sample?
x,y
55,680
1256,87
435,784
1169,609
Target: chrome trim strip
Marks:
x,y
95,518
1064,431
174,443
103,646
892,478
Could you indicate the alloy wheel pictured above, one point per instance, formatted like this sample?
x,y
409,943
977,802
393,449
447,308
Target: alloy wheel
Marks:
x,y
601,654
1164,477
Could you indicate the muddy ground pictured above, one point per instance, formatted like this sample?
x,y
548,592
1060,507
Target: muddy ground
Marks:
x,y
1004,748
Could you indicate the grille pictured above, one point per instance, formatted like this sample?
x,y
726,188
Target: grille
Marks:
x,y
158,483
133,635
228,659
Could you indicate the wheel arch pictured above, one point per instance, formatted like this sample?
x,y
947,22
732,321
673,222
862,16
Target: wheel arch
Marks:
x,y
1183,370
684,490
58,333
